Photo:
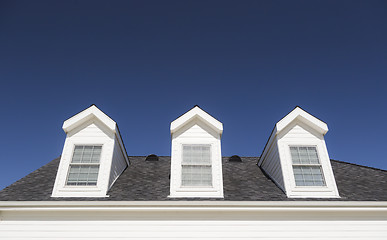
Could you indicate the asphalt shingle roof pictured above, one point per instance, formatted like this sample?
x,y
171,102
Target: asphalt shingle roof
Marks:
x,y
242,181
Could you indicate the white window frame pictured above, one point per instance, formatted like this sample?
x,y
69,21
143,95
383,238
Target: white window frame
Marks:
x,y
308,165
61,189
83,164
214,191
186,164
293,191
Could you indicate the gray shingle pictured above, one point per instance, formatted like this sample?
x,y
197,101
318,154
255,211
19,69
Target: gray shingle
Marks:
x,y
243,181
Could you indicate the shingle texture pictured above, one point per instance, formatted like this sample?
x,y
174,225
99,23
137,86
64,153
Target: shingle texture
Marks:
x,y
243,181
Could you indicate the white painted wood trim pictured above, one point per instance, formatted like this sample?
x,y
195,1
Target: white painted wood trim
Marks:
x,y
87,114
199,113
214,204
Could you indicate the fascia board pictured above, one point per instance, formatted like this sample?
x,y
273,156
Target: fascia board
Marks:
x,y
233,211
196,112
205,204
87,114
301,115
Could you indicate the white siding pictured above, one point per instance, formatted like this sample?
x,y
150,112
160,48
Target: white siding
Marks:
x,y
90,129
301,132
123,229
272,164
196,130
118,163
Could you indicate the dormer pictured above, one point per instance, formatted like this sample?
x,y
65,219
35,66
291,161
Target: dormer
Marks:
x,y
296,157
93,155
196,157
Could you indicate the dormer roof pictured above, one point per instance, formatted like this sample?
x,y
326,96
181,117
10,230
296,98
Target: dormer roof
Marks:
x,y
197,112
86,115
93,112
299,114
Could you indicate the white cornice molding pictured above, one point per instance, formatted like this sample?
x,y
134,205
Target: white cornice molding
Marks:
x,y
303,116
198,210
87,114
199,113
192,204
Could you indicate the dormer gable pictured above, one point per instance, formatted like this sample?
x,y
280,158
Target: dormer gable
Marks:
x,y
296,157
300,115
202,116
90,113
93,155
196,157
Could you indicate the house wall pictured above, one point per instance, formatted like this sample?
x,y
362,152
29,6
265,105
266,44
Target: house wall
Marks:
x,y
196,223
194,230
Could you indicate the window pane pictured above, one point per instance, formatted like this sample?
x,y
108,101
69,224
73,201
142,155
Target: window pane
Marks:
x,y
196,175
87,154
196,165
295,156
83,175
312,154
304,155
77,154
308,176
96,154
197,154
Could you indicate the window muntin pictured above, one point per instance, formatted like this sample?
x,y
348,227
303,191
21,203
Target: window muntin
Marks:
x,y
84,166
306,166
196,166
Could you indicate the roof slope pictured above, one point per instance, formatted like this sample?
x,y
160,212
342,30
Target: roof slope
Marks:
x,y
243,181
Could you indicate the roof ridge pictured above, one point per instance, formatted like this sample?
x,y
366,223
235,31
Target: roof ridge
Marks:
x,y
358,165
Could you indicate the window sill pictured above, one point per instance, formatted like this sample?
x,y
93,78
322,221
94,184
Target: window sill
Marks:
x,y
196,193
79,189
196,189
311,189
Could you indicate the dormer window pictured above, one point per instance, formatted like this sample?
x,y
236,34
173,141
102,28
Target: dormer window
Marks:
x,y
196,166
306,166
84,166
93,156
196,158
296,157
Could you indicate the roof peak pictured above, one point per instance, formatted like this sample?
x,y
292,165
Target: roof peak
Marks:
x,y
300,114
196,112
87,114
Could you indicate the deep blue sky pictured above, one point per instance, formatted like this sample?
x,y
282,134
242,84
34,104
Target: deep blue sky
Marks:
x,y
144,63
